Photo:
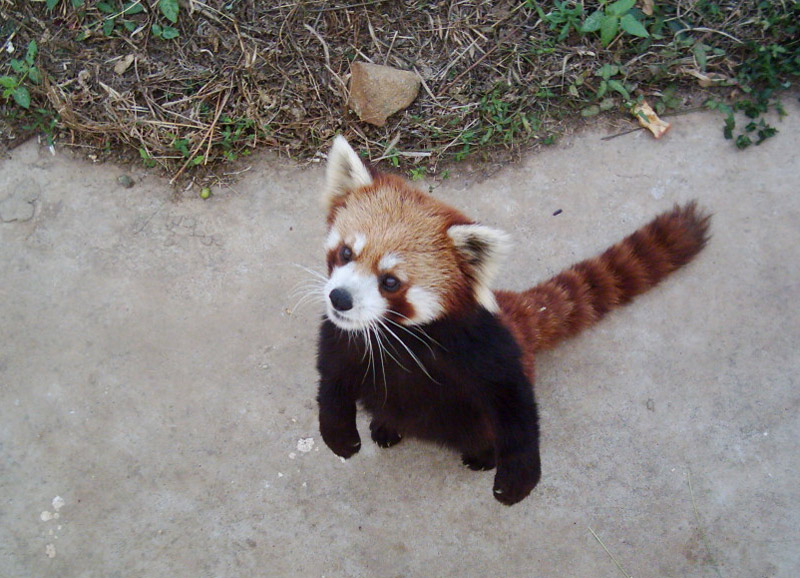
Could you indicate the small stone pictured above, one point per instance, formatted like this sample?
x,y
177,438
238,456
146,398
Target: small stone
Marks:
x,y
651,404
305,445
377,92
125,181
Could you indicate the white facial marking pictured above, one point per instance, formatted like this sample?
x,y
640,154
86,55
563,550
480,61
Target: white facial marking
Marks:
x,y
389,261
368,303
427,306
333,240
358,244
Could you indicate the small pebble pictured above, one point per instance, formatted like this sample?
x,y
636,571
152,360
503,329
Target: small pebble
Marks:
x,y
125,181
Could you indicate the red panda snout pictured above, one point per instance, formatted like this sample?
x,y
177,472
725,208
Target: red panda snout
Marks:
x,y
353,298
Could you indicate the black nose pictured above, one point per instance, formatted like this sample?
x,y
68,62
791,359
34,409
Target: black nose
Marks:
x,y
341,299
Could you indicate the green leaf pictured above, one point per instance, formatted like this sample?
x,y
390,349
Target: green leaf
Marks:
x,y
593,22
157,30
51,4
108,27
169,8
18,66
607,71
618,87
35,75
169,33
699,51
620,7
593,110
632,26
602,89
607,104
130,8
608,30
730,124
105,7
22,97
8,81
77,3
32,50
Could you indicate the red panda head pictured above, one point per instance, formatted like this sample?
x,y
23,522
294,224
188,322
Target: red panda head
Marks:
x,y
395,253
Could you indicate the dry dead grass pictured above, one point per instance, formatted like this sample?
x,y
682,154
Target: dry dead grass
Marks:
x,y
247,74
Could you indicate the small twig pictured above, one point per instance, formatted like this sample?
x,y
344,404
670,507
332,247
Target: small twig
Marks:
x,y
322,41
623,133
621,569
471,66
704,29
389,51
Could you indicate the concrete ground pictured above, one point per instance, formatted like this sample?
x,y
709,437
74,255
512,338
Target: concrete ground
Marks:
x,y
157,413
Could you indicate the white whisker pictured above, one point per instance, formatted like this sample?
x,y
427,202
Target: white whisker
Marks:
x,y
381,349
410,353
415,336
414,327
311,271
384,348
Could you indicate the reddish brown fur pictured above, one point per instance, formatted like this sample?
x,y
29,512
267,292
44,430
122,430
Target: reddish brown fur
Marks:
x,y
561,307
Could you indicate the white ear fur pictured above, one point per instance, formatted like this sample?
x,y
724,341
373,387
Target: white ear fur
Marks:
x,y
345,172
484,249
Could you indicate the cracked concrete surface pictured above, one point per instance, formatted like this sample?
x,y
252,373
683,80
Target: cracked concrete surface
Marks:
x,y
157,413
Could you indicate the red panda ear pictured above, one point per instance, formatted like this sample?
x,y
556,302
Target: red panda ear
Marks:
x,y
483,248
345,172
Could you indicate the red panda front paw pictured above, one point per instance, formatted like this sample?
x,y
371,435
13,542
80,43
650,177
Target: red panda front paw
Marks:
x,y
384,436
516,477
343,442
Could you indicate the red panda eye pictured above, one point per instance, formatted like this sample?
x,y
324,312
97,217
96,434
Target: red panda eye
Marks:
x,y
390,283
345,254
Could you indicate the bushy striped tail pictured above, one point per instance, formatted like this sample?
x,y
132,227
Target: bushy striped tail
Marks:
x,y
580,296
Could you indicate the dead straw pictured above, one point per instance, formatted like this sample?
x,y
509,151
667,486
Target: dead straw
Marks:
x,y
621,569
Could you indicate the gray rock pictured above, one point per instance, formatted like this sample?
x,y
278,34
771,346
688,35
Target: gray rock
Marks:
x,y
125,181
377,92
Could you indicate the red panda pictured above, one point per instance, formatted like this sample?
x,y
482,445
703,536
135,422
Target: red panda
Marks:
x,y
413,332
